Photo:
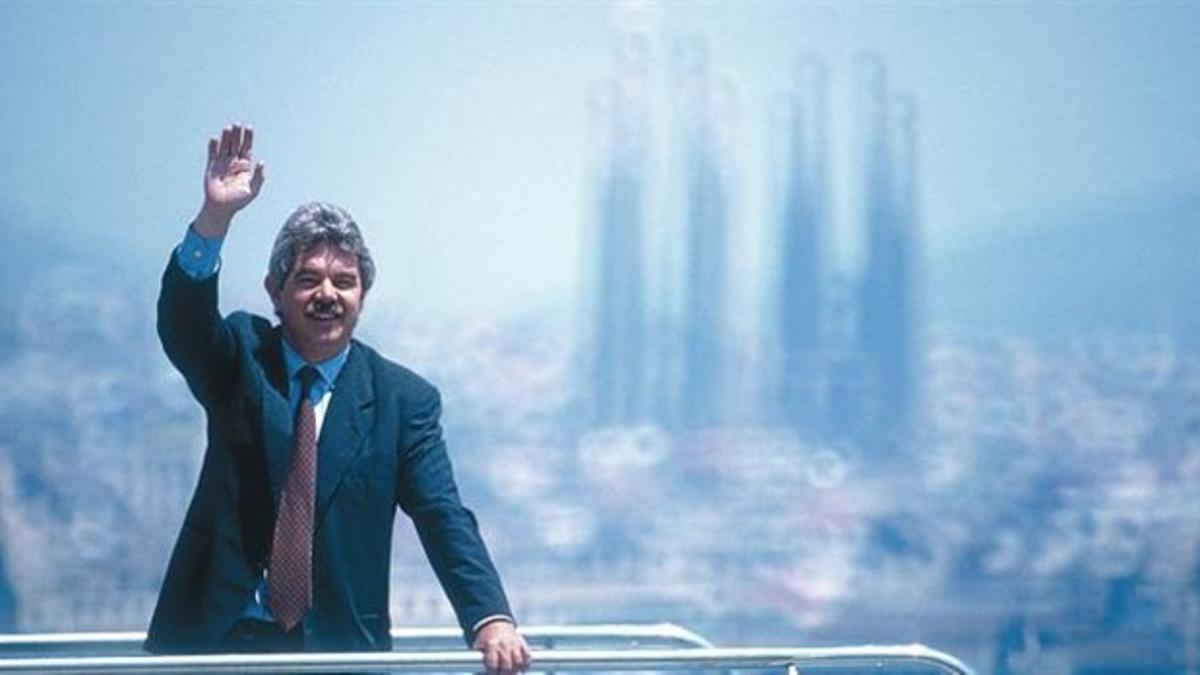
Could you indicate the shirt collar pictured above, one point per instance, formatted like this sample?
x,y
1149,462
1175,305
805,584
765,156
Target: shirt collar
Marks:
x,y
328,369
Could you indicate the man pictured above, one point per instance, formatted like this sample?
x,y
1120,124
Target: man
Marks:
x,y
313,440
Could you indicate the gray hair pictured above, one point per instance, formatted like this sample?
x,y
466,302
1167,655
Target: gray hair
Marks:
x,y
309,226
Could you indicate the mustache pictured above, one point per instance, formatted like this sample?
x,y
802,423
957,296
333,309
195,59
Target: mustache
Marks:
x,y
322,307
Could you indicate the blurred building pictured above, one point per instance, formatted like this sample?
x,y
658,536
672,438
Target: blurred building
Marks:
x,y
888,319
843,358
620,317
659,269
802,280
619,291
704,105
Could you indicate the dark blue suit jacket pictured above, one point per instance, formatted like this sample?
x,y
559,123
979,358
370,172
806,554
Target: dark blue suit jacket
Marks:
x,y
380,446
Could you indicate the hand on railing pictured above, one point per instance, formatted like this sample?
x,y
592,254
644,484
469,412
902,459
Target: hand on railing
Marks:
x,y
504,650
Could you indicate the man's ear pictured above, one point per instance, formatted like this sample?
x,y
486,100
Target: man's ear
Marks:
x,y
269,287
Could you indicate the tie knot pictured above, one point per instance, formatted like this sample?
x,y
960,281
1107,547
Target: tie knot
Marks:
x,y
308,376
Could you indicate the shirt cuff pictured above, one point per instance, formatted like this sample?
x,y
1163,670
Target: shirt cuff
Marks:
x,y
199,256
491,619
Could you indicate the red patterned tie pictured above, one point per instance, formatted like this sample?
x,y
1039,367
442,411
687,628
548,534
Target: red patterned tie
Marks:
x,y
290,570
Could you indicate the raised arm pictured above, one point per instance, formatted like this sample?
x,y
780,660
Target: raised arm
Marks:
x,y
231,180
193,334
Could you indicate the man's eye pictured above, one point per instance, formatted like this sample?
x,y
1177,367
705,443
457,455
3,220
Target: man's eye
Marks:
x,y
346,283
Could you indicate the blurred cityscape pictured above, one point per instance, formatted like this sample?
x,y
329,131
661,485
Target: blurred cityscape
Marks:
x,y
844,472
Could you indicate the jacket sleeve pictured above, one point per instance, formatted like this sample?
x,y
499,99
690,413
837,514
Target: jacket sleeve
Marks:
x,y
196,339
448,530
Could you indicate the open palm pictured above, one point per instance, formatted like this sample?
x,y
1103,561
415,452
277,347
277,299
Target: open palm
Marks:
x,y
232,179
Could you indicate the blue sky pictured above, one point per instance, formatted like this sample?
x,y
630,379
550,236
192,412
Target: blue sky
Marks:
x,y
457,133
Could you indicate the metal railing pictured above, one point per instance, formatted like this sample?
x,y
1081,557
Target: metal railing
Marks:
x,y
129,643
790,660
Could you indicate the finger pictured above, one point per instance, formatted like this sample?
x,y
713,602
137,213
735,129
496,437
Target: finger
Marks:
x,y
504,660
526,657
256,180
491,660
212,149
226,139
235,143
247,142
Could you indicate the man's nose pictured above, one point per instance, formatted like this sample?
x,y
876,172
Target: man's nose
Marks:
x,y
326,289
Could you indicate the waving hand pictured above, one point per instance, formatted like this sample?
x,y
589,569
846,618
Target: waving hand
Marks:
x,y
231,179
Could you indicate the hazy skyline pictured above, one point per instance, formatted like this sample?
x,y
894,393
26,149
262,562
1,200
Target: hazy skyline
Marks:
x,y
458,133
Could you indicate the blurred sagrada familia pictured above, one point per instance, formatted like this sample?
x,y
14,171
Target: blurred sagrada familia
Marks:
x,y
835,361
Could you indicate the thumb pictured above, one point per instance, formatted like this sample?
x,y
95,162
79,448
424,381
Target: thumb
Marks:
x,y
260,175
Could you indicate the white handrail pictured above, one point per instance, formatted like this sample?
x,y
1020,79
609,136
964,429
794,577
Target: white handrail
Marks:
x,y
469,661
659,634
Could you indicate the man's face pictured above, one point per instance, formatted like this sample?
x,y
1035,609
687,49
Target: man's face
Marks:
x,y
320,301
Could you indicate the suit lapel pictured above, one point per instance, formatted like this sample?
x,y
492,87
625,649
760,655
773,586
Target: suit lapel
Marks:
x,y
347,423
276,416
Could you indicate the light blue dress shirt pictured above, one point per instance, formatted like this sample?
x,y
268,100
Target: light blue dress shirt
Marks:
x,y
199,256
